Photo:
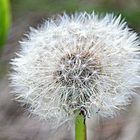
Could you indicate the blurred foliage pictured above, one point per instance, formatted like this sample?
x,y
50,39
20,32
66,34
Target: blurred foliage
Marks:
x,y
4,20
130,9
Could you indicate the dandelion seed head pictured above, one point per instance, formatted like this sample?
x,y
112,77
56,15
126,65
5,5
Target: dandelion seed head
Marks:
x,y
81,62
78,69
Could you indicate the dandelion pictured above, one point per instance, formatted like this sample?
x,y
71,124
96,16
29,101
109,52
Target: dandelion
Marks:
x,y
83,63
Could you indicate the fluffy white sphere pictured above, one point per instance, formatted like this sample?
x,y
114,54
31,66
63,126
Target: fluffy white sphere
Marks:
x,y
81,62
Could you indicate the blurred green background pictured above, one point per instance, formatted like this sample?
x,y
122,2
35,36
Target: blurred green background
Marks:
x,y
5,17
130,9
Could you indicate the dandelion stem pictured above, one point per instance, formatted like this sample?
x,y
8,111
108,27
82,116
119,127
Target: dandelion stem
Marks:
x,y
80,127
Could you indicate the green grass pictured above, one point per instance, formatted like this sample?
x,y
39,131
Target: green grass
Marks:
x,y
4,21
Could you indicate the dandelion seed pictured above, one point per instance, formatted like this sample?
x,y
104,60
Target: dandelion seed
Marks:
x,y
78,63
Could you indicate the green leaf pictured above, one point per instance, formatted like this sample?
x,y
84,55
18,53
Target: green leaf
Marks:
x,y
5,18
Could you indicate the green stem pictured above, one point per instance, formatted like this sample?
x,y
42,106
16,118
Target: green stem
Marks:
x,y
80,127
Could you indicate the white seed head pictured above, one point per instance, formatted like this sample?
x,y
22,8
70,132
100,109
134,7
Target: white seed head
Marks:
x,y
81,62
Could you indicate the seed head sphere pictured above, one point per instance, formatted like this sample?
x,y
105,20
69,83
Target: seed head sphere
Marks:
x,y
82,62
